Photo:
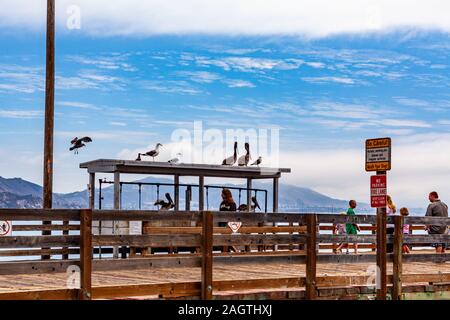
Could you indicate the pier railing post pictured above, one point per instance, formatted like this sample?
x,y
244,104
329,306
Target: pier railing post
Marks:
x,y
207,257
311,256
85,292
381,254
397,259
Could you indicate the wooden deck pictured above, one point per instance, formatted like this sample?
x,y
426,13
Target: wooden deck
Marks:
x,y
327,274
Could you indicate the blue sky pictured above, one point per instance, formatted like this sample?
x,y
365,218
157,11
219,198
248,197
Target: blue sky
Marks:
x,y
326,94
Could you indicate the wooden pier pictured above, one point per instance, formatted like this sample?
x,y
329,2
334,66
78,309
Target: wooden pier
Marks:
x,y
284,262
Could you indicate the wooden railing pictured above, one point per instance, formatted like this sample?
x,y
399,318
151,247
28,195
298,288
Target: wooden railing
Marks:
x,y
206,237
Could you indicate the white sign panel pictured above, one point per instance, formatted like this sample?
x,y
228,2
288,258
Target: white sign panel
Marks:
x,y
5,228
136,227
234,226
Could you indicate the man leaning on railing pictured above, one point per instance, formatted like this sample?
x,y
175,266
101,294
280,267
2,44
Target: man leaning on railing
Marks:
x,y
437,209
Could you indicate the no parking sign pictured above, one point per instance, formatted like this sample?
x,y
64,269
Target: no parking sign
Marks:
x,y
5,228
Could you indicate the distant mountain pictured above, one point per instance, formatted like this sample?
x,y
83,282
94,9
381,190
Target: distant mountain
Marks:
x,y
19,193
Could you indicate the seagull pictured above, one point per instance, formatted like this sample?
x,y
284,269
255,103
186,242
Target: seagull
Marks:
x,y
243,207
231,160
78,143
165,205
257,162
175,160
138,157
244,160
153,153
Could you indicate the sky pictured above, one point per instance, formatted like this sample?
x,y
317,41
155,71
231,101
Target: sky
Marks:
x,y
324,75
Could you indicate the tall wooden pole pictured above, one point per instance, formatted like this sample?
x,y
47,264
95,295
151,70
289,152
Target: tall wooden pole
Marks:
x,y
49,106
49,112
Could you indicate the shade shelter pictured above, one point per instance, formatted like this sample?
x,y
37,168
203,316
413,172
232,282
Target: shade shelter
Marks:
x,y
120,167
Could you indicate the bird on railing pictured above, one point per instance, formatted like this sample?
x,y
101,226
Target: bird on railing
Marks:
x,y
243,207
153,153
78,143
164,206
232,159
245,159
176,159
138,157
257,162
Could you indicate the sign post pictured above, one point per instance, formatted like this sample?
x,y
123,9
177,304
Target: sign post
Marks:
x,y
378,158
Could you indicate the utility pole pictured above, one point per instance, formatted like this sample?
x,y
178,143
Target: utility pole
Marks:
x,y
49,112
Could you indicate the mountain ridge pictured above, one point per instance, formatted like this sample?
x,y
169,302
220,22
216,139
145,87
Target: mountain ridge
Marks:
x,y
20,193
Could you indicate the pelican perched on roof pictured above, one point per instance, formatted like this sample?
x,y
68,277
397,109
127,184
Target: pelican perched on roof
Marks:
x,y
176,159
257,162
231,160
78,143
165,205
245,159
153,153
243,207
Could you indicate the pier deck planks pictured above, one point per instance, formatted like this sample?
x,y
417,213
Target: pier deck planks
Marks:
x,y
244,271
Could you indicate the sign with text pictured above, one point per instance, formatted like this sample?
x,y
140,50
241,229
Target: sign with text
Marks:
x,y
5,228
378,154
378,191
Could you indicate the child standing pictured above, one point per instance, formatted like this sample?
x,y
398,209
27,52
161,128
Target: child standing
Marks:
x,y
352,228
404,212
339,229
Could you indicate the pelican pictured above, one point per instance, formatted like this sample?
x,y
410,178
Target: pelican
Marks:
x,y
243,207
165,205
257,162
78,143
153,153
244,160
231,160
176,159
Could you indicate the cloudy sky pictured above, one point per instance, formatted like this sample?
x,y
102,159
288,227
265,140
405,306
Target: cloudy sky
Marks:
x,y
326,74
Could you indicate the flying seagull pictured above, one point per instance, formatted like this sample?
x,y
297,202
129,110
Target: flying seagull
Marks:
x,y
257,162
244,160
153,153
175,160
231,160
78,143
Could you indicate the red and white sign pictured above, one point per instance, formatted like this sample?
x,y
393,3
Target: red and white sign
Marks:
x,y
235,226
378,191
5,228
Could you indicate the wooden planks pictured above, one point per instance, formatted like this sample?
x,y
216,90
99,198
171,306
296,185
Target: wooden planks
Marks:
x,y
39,241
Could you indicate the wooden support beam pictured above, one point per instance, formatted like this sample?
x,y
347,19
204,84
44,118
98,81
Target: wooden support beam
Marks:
x,y
311,257
116,207
201,193
381,254
207,257
397,271
86,255
275,194
176,191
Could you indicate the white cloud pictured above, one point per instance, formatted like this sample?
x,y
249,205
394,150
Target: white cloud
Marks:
x,y
22,79
236,83
314,18
170,86
200,76
80,105
21,114
339,80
